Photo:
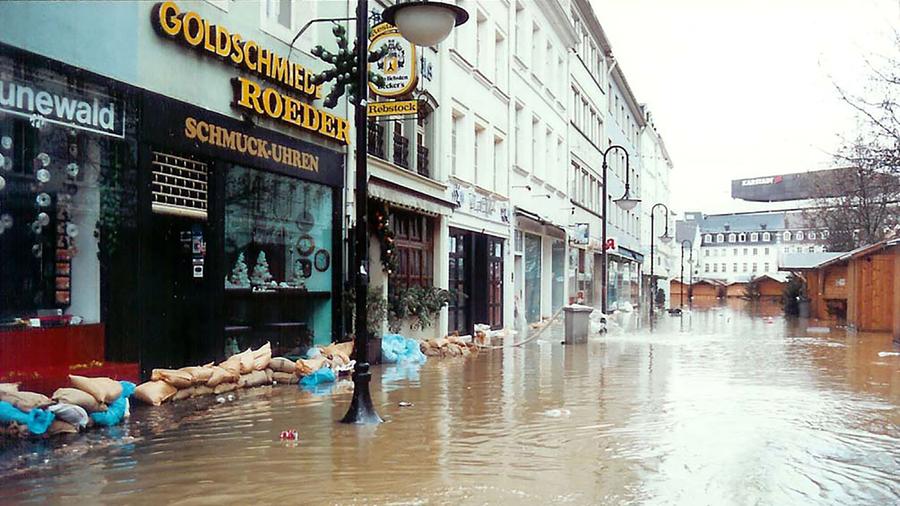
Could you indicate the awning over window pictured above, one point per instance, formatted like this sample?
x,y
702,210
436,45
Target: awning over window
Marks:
x,y
408,198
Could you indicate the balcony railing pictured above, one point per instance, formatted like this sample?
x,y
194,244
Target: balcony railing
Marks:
x,y
401,151
422,161
376,139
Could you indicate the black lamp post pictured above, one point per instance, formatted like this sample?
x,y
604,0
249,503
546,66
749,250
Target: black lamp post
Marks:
x,y
626,202
423,23
665,238
690,261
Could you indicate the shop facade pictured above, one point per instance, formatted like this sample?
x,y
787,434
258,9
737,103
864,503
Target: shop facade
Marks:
x,y
158,217
477,258
539,267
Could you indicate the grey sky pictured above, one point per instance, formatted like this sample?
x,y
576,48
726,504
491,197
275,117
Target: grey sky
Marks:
x,y
743,88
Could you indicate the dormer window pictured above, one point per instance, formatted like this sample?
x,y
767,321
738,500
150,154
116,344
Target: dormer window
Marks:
x,y
812,235
731,237
708,238
720,238
767,236
754,237
742,237
786,236
800,235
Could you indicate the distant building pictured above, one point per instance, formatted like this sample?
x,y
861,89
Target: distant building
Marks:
x,y
738,247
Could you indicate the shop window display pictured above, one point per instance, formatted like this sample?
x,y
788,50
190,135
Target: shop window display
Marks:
x,y
67,215
278,254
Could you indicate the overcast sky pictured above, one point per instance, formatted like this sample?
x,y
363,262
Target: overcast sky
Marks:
x,y
742,88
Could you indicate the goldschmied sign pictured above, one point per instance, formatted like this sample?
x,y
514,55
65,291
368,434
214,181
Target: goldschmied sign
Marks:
x,y
397,108
292,80
398,66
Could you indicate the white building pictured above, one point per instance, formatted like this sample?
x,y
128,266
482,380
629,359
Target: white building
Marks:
x,y
656,166
539,84
740,246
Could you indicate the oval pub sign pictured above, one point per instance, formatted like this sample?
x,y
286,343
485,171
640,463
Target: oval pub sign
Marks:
x,y
398,66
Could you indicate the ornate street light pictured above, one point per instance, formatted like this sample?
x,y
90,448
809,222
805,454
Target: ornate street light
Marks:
x,y
665,238
423,22
691,263
626,202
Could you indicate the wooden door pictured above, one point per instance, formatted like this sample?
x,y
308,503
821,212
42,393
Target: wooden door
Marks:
x,y
495,282
877,293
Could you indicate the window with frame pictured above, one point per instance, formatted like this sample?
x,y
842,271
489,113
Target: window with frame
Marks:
x,y
754,237
767,236
786,236
415,251
800,235
720,238
279,18
731,237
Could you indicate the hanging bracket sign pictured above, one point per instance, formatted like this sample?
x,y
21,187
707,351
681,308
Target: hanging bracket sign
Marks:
x,y
393,108
398,66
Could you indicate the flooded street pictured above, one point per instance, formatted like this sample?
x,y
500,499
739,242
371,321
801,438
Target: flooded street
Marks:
x,y
712,408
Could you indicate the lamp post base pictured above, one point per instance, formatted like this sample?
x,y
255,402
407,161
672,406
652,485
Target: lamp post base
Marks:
x,y
361,410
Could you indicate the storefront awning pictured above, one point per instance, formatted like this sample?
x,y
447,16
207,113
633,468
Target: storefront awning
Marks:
x,y
402,196
559,230
627,253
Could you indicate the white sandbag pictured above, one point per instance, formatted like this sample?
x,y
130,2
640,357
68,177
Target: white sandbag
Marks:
x,y
76,415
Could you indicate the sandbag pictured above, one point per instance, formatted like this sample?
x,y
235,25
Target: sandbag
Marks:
x,y
79,398
176,378
155,392
199,374
253,379
305,367
9,387
261,357
225,387
269,375
105,390
246,361
344,348
37,420
323,375
281,364
201,390
182,394
222,375
118,409
61,427
285,377
70,413
396,349
232,365
26,401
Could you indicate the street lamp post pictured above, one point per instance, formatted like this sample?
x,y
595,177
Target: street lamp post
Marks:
x,y
626,202
690,261
424,23
665,238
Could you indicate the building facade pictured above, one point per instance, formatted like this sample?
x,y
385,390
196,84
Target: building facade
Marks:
x,y
656,167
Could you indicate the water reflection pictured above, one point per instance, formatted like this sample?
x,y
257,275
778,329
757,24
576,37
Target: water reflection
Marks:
x,y
717,406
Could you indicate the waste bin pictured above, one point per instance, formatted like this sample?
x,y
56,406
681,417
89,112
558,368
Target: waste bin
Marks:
x,y
577,323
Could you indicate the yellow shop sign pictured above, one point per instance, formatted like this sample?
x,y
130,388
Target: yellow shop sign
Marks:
x,y
398,108
193,31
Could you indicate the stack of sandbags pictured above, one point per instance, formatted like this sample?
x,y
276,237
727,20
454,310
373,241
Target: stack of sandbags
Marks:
x,y
284,370
242,370
450,346
89,401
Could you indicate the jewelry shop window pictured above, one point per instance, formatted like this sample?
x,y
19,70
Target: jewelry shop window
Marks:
x,y
278,255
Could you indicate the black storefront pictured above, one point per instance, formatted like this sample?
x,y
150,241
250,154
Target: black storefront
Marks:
x,y
476,277
174,236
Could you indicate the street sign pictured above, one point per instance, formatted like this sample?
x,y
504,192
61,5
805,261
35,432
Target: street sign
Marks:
x,y
396,108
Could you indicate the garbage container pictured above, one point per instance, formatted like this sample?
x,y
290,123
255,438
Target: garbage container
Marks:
x,y
577,323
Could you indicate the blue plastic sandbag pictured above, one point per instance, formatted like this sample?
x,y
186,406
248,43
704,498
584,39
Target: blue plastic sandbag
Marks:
x,y
115,412
396,348
323,375
37,420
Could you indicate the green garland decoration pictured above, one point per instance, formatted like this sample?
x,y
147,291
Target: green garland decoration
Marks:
x,y
381,220
344,68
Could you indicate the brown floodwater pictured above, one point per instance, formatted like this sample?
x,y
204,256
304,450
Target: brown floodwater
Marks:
x,y
715,407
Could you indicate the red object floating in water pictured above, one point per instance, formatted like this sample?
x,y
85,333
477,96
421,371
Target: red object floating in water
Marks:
x,y
290,435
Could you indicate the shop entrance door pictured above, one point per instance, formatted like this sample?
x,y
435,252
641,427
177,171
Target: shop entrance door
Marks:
x,y
495,282
459,282
179,303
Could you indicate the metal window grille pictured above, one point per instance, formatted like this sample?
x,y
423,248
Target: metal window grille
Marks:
x,y
179,186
